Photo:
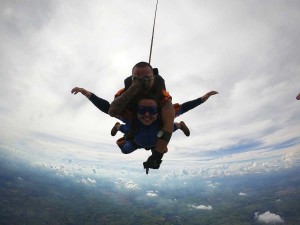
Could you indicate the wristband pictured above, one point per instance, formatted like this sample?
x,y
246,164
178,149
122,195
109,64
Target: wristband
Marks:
x,y
164,135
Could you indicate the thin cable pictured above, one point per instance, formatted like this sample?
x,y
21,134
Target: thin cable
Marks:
x,y
153,33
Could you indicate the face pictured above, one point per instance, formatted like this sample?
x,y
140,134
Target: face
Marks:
x,y
144,72
147,111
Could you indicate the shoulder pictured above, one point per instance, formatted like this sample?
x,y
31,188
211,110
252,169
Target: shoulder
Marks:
x,y
159,81
165,97
120,92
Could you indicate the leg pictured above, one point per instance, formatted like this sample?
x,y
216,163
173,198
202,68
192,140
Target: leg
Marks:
x,y
124,128
182,127
126,146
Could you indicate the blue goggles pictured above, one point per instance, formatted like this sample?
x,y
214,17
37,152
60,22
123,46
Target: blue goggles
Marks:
x,y
142,110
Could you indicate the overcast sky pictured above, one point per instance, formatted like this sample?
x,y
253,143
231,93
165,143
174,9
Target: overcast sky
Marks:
x,y
248,51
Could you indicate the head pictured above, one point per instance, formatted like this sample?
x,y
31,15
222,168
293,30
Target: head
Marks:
x,y
147,111
143,70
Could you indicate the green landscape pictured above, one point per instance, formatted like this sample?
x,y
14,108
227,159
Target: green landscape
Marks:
x,y
37,197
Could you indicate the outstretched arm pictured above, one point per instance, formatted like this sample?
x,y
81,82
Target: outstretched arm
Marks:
x,y
207,95
186,106
86,93
100,103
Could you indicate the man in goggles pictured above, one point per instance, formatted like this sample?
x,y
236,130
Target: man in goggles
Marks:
x,y
142,131
144,82
145,124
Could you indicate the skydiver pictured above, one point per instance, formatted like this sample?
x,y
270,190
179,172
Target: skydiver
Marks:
x,y
151,116
144,81
145,126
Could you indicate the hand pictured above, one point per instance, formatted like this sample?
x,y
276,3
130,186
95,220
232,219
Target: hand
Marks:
x,y
207,95
152,163
161,146
86,93
143,83
148,83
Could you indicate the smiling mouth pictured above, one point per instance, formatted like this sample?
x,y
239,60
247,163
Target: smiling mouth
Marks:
x,y
147,118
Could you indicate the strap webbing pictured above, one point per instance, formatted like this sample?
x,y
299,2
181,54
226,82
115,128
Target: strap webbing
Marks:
x,y
153,33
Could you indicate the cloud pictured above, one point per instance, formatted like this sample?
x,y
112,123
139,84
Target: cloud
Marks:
x,y
201,207
242,194
212,184
152,193
268,218
131,185
128,184
87,180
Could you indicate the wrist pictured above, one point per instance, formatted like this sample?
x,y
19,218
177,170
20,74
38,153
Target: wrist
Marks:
x,y
164,135
88,94
156,154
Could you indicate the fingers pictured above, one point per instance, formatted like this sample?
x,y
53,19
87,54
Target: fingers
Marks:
x,y
150,82
212,93
75,90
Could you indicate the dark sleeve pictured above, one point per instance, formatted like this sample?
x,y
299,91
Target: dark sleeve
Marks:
x,y
100,103
190,105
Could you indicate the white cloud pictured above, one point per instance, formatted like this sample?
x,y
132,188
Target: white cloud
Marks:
x,y
151,193
87,181
242,194
201,207
131,185
212,184
268,218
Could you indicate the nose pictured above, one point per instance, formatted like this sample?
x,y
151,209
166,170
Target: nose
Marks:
x,y
147,114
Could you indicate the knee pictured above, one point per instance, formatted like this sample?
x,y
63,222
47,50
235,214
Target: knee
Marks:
x,y
125,151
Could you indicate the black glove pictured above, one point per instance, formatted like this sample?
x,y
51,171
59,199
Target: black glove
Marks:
x,y
153,161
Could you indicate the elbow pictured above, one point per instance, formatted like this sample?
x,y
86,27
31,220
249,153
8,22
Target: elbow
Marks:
x,y
113,109
111,112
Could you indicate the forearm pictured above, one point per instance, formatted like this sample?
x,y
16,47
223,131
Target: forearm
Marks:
x,y
167,116
190,105
121,102
100,103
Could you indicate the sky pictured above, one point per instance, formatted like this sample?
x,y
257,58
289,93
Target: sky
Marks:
x,y
248,51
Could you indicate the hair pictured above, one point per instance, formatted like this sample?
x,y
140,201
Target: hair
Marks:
x,y
142,65
148,96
